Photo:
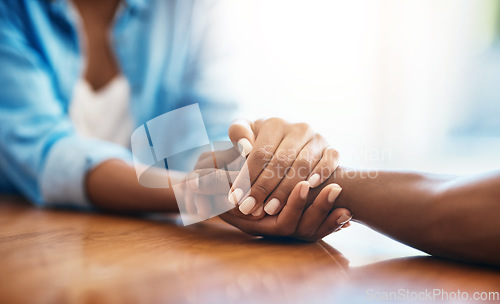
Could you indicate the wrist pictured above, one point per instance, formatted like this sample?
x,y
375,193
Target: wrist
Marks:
x,y
344,177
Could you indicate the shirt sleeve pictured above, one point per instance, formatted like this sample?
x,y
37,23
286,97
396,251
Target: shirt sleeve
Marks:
x,y
40,152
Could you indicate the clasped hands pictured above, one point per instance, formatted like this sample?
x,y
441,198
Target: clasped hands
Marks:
x,y
283,187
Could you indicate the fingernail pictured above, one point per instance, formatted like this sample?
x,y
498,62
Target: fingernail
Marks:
x,y
272,206
334,193
304,190
343,219
194,181
314,180
244,146
247,205
236,196
258,212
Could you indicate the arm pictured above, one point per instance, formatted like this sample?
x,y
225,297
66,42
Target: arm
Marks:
x,y
113,186
451,217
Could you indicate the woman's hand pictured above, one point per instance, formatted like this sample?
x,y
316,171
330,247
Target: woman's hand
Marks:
x,y
296,220
203,191
280,155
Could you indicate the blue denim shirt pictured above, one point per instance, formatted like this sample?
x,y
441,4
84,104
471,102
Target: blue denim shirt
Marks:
x,y
168,50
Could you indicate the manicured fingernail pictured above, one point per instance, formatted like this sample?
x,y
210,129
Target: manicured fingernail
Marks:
x,y
194,181
314,180
258,212
344,218
247,205
334,193
236,196
244,146
272,206
304,190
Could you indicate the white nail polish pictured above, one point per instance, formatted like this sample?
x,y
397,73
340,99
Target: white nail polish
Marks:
x,y
244,146
272,206
258,212
236,196
194,181
314,180
304,190
343,219
247,205
334,193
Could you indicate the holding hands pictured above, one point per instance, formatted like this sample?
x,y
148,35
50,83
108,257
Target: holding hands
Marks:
x,y
280,155
297,220
282,162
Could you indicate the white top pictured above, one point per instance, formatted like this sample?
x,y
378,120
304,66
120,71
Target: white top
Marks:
x,y
103,114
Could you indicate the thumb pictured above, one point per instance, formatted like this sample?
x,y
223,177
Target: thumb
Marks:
x,y
242,135
211,181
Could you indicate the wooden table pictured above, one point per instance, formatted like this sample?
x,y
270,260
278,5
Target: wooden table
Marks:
x,y
51,256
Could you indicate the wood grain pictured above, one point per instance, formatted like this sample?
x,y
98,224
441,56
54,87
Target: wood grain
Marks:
x,y
54,256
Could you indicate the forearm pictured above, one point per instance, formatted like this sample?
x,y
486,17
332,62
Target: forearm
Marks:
x,y
442,215
113,186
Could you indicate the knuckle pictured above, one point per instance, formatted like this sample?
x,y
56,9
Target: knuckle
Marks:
x,y
318,137
284,159
220,177
258,121
332,153
275,121
261,189
320,141
301,126
305,161
263,153
212,179
207,182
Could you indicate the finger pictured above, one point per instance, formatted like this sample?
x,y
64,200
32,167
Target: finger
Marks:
x,y
203,205
242,224
189,201
206,160
333,222
220,203
229,159
236,212
210,181
242,135
277,168
263,226
324,168
300,170
258,212
288,219
347,225
316,214
265,146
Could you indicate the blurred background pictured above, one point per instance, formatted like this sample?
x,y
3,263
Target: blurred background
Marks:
x,y
393,84
402,84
